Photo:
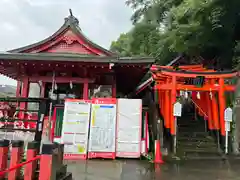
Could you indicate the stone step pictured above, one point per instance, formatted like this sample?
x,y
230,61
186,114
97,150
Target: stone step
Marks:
x,y
200,152
194,139
197,144
191,125
202,156
185,130
198,149
194,134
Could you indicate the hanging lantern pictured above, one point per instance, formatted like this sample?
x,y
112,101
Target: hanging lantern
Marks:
x,y
198,95
71,84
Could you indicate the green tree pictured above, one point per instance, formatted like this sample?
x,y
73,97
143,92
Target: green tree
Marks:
x,y
204,27
122,45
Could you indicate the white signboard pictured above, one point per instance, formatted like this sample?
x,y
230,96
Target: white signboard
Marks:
x,y
102,129
129,122
75,128
227,126
177,109
228,115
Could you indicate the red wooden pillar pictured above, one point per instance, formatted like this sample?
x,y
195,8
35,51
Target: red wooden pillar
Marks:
x,y
51,161
16,155
114,88
24,94
85,89
167,111
173,101
18,90
30,168
43,86
215,109
4,146
47,162
160,97
163,105
209,111
222,106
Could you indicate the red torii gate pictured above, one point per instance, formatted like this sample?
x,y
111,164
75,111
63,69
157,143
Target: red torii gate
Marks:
x,y
170,81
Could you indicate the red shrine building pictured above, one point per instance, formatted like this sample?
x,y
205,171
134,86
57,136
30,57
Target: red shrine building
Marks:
x,y
78,67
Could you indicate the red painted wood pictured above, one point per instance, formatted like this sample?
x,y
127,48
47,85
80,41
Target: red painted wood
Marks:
x,y
18,90
15,160
46,162
173,101
24,94
30,168
222,106
68,42
60,79
114,89
43,89
85,90
3,158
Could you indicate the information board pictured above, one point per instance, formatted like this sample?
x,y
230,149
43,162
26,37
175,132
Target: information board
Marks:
x,y
102,128
129,126
75,128
177,109
228,114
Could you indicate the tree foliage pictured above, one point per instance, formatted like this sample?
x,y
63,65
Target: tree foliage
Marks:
x,y
207,28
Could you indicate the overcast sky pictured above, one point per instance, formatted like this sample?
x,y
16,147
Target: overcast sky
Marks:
x,y
23,22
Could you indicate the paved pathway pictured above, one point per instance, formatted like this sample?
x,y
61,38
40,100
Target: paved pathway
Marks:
x,y
140,170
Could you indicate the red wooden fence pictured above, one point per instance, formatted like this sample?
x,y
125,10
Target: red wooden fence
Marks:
x,y
45,166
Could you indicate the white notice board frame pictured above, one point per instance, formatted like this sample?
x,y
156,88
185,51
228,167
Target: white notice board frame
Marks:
x,y
75,144
138,143
101,153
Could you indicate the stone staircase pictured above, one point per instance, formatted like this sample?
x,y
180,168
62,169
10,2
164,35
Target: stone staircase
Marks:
x,y
194,141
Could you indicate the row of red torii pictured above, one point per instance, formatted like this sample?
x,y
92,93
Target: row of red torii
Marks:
x,y
212,104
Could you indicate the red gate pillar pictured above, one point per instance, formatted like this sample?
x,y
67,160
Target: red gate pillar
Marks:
x,y
209,112
215,109
222,106
173,101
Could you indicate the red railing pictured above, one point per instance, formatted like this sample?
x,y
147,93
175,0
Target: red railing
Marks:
x,y
2,173
46,161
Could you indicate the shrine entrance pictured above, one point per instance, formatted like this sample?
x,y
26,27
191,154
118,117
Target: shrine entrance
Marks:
x,y
203,95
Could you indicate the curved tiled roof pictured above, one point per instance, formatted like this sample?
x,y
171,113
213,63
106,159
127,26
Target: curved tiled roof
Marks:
x,y
72,23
